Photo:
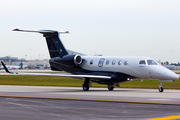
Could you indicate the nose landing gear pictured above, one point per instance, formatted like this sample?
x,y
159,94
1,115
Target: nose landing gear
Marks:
x,y
161,87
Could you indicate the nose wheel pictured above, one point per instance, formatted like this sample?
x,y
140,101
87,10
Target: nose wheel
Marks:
x,y
161,88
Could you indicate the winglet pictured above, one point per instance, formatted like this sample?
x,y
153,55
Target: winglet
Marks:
x,y
5,67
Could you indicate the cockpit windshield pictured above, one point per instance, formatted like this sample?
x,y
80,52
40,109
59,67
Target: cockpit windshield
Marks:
x,y
151,62
142,62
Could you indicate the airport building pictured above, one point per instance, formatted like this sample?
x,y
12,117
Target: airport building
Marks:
x,y
11,59
27,64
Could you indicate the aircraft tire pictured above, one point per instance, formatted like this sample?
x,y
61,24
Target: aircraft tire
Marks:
x,y
110,87
161,89
85,88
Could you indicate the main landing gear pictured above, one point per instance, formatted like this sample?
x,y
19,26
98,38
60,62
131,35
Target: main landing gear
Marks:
x,y
111,86
161,87
87,84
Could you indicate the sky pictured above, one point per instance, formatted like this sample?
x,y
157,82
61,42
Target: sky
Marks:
x,y
148,28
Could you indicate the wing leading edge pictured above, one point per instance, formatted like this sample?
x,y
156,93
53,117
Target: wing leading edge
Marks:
x,y
61,75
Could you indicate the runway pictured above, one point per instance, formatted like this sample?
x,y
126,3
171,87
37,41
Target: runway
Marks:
x,y
72,103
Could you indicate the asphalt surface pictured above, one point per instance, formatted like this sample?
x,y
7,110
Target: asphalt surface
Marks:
x,y
72,103
118,94
50,109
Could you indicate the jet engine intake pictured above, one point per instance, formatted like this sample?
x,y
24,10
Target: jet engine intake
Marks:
x,y
77,59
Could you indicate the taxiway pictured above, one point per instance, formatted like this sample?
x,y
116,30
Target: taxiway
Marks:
x,y
72,103
119,94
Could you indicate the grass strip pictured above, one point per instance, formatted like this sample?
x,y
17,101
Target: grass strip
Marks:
x,y
72,82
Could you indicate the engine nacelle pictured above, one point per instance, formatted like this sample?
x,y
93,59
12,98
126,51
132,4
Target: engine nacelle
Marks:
x,y
77,59
69,60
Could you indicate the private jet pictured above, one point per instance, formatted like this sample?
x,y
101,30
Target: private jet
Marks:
x,y
109,70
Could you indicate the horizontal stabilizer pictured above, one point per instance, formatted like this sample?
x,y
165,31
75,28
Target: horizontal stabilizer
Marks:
x,y
55,45
41,31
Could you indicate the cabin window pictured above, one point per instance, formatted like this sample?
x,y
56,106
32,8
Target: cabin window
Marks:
x,y
91,62
113,62
101,61
151,62
142,62
107,62
119,63
126,63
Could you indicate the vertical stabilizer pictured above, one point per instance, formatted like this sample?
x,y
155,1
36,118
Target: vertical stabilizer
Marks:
x,y
55,46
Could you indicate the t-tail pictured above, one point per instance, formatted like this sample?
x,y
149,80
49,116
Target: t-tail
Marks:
x,y
60,58
55,46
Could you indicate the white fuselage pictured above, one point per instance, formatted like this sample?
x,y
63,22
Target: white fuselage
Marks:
x,y
146,69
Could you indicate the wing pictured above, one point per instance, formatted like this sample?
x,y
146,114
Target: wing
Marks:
x,y
61,75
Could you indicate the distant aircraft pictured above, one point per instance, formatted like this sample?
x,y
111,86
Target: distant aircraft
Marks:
x,y
109,70
13,67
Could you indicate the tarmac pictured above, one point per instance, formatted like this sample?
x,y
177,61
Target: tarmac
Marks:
x,y
96,94
72,103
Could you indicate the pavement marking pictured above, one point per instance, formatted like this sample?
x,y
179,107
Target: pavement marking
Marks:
x,y
100,100
167,118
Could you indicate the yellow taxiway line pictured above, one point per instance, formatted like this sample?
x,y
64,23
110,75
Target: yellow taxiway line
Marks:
x,y
100,100
166,118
